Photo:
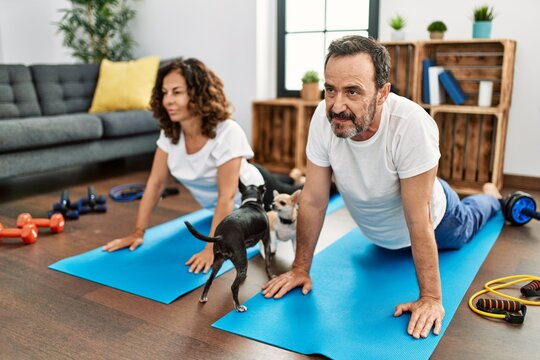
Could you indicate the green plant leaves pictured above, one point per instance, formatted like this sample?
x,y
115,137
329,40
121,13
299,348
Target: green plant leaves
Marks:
x,y
398,22
484,13
98,29
437,26
310,76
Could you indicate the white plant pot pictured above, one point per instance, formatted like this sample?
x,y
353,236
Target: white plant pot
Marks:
x,y
398,35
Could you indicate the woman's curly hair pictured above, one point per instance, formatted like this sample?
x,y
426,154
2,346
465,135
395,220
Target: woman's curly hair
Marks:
x,y
206,97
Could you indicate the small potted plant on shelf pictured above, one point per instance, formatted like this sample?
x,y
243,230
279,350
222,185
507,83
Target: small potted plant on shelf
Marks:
x,y
436,29
310,86
483,16
397,23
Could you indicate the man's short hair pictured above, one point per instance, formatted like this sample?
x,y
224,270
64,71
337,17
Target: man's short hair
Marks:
x,y
356,44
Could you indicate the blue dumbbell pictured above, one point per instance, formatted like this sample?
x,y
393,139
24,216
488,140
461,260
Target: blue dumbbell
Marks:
x,y
92,203
64,207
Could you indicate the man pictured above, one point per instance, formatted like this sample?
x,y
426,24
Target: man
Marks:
x,y
383,151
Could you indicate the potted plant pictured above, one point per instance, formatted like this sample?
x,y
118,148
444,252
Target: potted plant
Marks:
x,y
483,16
97,30
397,23
436,29
310,86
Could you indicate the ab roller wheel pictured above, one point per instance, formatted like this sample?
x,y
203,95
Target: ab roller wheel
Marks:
x,y
519,208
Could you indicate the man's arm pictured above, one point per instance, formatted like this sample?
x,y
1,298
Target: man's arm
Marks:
x,y
427,311
312,208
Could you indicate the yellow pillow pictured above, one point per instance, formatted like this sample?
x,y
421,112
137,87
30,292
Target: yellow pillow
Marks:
x,y
125,85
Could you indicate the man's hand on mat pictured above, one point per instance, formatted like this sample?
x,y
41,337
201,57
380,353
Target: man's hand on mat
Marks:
x,y
133,241
426,313
279,286
201,261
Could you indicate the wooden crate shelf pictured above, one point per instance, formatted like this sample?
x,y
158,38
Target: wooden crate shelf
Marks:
x,y
472,138
470,148
472,61
404,68
280,129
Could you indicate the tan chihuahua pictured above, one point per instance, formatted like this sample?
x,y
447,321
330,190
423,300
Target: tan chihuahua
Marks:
x,y
282,219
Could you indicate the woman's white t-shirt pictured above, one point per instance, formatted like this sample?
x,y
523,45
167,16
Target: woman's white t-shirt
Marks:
x,y
368,173
198,171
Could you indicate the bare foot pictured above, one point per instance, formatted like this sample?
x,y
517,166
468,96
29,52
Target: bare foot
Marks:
x,y
491,189
297,176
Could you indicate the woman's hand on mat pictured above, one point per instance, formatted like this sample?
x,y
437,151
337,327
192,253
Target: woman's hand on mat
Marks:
x,y
201,261
133,241
426,313
279,286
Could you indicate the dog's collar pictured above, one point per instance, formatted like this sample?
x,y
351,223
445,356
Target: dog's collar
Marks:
x,y
286,221
251,199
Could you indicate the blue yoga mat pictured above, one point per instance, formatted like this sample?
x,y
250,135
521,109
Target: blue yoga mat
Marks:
x,y
356,286
156,269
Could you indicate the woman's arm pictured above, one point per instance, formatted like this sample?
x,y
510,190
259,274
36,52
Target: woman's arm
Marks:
x,y
152,193
228,176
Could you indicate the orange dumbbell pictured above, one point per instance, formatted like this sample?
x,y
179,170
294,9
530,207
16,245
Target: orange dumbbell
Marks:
x,y
55,223
28,233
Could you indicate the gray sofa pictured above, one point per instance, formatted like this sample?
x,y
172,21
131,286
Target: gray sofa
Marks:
x,y
45,124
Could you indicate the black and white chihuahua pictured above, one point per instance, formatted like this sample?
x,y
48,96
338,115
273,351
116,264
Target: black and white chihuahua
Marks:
x,y
241,229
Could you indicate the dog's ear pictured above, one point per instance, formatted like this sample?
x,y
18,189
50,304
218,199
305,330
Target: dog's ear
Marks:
x,y
262,189
275,193
295,197
241,187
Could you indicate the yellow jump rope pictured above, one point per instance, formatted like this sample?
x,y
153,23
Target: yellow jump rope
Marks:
x,y
512,310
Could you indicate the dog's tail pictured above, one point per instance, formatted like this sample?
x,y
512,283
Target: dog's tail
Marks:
x,y
200,236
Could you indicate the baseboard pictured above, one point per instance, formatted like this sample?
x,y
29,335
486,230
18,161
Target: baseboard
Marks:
x,y
522,182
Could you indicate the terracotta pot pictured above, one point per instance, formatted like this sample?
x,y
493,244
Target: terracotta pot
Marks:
x,y
310,91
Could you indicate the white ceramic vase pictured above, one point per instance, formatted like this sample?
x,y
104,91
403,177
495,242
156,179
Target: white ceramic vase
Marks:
x,y
398,35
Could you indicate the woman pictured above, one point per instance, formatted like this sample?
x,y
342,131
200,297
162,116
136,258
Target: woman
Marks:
x,y
200,145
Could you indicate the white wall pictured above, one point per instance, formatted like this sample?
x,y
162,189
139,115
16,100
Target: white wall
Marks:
x,y
515,20
27,33
236,38
266,49
221,33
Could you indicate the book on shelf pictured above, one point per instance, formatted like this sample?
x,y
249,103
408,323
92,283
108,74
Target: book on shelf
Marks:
x,y
452,87
426,64
436,92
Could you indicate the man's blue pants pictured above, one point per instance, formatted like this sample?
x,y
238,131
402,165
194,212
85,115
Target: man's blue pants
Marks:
x,y
463,218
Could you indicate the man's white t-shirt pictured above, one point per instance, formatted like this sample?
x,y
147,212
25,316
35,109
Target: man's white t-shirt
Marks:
x,y
368,173
198,171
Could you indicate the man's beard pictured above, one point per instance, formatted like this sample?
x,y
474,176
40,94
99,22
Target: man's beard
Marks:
x,y
343,130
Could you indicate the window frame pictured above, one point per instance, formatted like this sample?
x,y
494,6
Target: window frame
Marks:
x,y
373,31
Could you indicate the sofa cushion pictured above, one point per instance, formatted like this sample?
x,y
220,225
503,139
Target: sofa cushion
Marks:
x,y
122,123
125,85
17,95
33,132
65,89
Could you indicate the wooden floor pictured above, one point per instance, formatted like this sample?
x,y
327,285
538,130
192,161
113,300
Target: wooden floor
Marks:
x,y
45,314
